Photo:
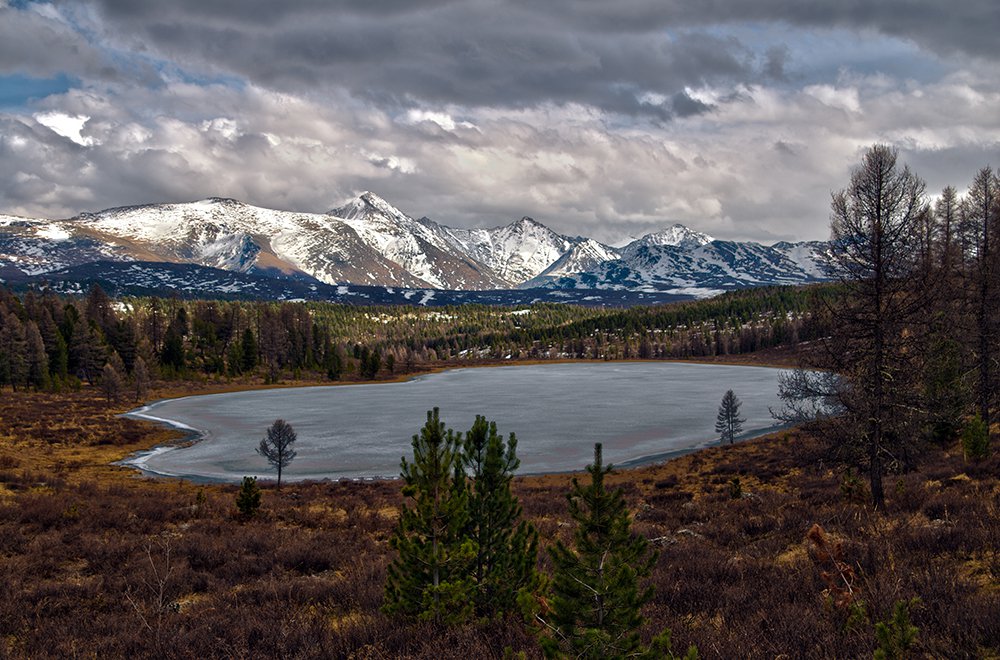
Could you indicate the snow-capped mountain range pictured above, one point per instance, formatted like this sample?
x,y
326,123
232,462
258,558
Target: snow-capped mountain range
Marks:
x,y
370,242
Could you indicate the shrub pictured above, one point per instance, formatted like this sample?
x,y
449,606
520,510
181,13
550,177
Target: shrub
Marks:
x,y
735,488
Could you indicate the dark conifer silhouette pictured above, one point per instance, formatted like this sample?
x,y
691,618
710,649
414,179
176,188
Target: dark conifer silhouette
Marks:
x,y
276,446
728,423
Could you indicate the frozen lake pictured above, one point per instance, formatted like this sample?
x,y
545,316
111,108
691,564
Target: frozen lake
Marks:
x,y
639,410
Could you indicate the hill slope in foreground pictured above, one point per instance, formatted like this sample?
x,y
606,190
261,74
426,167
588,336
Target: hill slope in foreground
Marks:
x,y
96,559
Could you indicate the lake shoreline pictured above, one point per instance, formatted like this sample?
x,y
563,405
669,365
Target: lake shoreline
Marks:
x,y
188,435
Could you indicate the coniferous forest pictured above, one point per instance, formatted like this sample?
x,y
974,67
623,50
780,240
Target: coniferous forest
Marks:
x,y
870,528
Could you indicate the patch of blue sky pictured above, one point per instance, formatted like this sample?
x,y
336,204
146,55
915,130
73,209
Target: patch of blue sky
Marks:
x,y
207,80
817,55
19,91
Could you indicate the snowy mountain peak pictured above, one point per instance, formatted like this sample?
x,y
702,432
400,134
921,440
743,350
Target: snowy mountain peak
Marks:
x,y
527,221
366,205
676,234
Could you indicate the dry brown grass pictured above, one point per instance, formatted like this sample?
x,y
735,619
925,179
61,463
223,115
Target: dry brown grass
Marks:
x,y
97,561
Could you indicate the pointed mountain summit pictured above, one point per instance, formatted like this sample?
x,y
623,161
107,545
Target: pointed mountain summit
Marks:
x,y
515,252
585,256
416,247
368,205
676,234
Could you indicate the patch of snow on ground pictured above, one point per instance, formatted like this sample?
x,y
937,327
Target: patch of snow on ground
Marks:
x,y
697,292
53,233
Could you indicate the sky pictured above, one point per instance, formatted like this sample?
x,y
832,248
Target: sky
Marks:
x,y
605,119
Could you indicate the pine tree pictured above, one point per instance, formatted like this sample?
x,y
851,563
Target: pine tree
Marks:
x,y
12,343
248,499
429,578
728,423
36,359
248,358
596,597
506,550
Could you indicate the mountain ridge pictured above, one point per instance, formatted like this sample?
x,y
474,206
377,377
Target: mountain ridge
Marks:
x,y
370,242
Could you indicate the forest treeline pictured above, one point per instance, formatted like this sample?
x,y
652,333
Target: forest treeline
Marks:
x,y
52,342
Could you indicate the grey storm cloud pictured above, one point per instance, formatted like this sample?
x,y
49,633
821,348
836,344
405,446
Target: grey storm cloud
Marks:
x,y
405,53
519,52
34,45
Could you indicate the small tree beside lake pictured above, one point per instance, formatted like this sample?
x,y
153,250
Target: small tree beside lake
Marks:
x,y
248,499
728,423
276,446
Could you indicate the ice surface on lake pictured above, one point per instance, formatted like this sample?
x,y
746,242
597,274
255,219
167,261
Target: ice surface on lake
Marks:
x,y
558,412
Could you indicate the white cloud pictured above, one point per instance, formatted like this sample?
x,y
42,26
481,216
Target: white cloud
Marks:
x,y
760,166
68,126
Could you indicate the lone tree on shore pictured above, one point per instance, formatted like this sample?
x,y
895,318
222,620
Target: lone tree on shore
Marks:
x,y
728,423
276,446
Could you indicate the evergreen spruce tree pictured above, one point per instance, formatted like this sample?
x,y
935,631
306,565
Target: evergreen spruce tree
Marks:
x,y
248,499
728,423
596,597
506,550
248,356
429,579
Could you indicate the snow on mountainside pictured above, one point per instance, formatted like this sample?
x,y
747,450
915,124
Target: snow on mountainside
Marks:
x,y
193,281
584,256
370,242
694,265
228,234
676,234
813,257
32,246
412,245
516,252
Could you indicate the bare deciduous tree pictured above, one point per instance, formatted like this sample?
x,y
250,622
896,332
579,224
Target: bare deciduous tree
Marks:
x,y
875,251
276,446
983,224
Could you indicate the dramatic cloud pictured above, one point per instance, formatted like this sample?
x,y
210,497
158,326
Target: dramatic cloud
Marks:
x,y
597,118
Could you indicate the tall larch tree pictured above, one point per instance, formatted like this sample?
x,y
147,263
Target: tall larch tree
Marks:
x,y
875,239
984,225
